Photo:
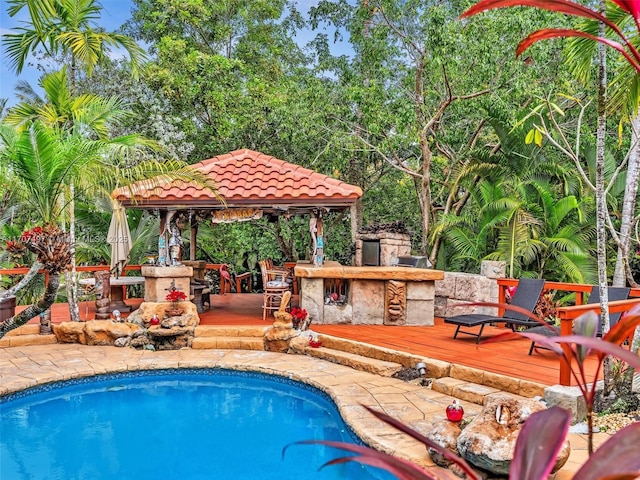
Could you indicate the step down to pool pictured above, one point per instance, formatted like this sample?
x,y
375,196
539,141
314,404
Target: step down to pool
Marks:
x,y
27,340
229,338
355,361
468,391
228,343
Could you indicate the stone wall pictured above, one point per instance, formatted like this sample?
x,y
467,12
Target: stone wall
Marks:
x,y
454,293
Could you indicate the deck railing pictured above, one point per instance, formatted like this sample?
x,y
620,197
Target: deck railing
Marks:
x,y
93,268
569,313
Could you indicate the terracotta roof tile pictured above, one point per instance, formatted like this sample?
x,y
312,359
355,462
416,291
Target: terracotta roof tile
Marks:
x,y
245,177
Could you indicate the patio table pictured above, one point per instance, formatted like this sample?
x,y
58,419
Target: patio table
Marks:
x,y
116,296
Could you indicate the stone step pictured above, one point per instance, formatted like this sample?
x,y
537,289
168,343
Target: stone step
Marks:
x,y
25,340
229,331
228,343
357,362
27,329
468,391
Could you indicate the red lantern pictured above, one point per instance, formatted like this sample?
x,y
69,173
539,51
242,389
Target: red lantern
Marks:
x,y
455,412
155,320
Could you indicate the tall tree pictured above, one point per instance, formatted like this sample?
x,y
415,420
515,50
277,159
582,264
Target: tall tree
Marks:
x,y
631,55
65,27
42,162
420,102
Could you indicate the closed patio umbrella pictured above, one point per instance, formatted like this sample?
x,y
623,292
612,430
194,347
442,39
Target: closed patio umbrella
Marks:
x,y
119,238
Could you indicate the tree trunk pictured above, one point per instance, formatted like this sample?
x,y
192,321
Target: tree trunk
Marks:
x,y
628,204
626,222
601,205
72,277
33,271
36,309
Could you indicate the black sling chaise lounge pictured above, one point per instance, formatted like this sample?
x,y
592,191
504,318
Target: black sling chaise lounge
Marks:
x,y
526,296
613,293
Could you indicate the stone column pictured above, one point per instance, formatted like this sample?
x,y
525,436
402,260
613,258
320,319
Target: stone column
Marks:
x,y
158,281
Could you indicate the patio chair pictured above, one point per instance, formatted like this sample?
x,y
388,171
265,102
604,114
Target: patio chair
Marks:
x,y
274,285
277,269
614,293
526,296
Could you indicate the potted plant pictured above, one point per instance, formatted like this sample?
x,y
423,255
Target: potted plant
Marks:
x,y
298,316
175,296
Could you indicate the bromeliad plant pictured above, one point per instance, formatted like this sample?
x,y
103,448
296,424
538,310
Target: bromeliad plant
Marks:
x,y
298,316
543,434
175,296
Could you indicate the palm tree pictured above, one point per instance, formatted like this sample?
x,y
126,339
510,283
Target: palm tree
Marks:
x,y
42,162
65,27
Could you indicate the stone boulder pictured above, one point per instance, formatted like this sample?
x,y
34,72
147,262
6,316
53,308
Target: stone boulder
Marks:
x,y
488,442
96,332
444,433
105,332
70,332
146,310
173,332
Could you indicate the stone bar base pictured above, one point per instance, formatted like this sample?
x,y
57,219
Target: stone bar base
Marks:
x,y
158,281
376,295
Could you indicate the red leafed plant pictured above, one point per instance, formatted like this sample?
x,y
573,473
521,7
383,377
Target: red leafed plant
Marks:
x,y
568,7
14,248
175,296
298,315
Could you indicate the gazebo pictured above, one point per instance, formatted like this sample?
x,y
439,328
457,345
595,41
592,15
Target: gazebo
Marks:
x,y
249,185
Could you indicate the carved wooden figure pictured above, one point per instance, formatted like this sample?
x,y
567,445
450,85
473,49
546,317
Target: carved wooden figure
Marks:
x,y
395,302
103,289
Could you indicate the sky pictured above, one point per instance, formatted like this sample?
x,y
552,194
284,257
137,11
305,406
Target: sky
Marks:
x,y
114,14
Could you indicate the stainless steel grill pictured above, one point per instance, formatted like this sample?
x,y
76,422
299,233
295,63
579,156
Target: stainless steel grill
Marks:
x,y
414,261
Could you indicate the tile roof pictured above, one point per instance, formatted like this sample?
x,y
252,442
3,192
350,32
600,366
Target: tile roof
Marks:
x,y
245,178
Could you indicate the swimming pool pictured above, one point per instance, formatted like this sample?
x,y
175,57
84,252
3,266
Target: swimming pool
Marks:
x,y
173,424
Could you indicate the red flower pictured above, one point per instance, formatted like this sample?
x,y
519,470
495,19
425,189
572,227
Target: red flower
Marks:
x,y
176,296
31,235
298,313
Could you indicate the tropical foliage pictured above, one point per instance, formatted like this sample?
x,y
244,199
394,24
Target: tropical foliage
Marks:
x,y
401,98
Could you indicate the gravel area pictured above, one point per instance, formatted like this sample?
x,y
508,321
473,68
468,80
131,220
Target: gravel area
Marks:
x,y
612,422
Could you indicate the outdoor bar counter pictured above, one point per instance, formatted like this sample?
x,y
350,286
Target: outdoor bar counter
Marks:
x,y
335,293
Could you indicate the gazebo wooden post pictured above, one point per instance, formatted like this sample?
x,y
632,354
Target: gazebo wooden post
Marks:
x,y
192,236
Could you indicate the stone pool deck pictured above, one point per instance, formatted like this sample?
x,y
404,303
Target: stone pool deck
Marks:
x,y
27,366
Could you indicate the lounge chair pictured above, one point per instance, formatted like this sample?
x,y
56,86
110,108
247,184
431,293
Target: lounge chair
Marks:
x,y
526,296
614,293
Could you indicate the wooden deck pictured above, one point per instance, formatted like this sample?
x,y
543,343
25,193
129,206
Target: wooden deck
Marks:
x,y
507,358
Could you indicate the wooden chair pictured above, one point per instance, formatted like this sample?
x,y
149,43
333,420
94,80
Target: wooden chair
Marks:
x,y
274,286
288,274
227,279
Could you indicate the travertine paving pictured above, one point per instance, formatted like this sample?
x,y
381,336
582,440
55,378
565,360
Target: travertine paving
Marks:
x,y
23,367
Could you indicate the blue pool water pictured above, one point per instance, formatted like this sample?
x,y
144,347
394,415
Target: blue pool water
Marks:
x,y
173,424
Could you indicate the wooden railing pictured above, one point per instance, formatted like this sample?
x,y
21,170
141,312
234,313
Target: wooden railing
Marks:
x,y
91,269
569,313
